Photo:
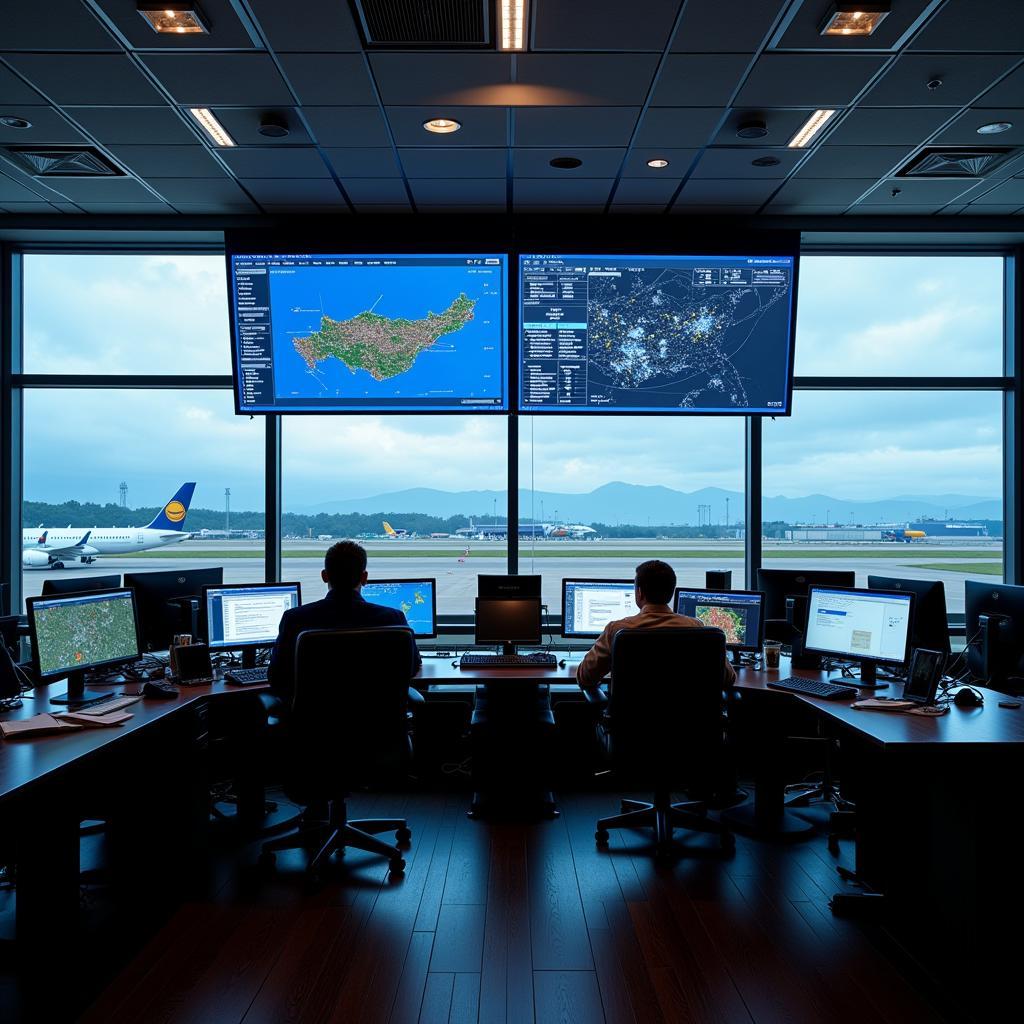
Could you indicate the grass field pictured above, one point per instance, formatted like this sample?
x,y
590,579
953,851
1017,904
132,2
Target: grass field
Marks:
x,y
973,568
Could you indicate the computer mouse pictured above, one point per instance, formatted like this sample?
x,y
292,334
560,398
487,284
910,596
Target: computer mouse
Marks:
x,y
162,691
966,697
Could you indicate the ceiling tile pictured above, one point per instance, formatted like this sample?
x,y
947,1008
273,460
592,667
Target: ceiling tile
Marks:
x,y
309,208
198,190
968,25
964,130
307,25
375,190
679,161
574,126
485,191
104,190
807,79
977,209
1006,93
321,79
410,79
302,191
905,84
704,30
126,209
646,190
65,25
638,209
806,209
216,79
243,124
824,191
159,126
613,79
597,163
727,191
1009,191
870,210
853,161
48,128
919,191
710,209
547,191
607,25
699,79
738,163
804,31
884,127
204,209
677,127
481,126
781,124
275,163
470,208
86,78
378,162
14,92
226,30
167,161
463,163
13,207
13,191
359,127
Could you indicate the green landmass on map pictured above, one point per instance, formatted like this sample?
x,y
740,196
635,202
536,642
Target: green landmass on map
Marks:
x,y
383,346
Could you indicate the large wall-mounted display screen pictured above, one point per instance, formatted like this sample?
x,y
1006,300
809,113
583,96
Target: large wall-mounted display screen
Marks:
x,y
656,334
378,333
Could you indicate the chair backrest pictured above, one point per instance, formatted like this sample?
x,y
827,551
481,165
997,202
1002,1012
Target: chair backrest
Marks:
x,y
666,692
351,697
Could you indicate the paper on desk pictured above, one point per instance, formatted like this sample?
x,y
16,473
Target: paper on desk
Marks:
x,y
35,726
113,718
874,704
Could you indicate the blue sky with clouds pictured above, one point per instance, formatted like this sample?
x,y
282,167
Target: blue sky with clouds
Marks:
x,y
865,315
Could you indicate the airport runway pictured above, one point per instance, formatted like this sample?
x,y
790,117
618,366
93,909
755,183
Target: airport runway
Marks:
x,y
456,572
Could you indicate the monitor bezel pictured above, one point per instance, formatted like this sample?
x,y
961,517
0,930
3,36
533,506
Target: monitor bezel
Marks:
x,y
432,580
58,580
506,256
241,586
538,638
53,676
844,656
743,593
581,579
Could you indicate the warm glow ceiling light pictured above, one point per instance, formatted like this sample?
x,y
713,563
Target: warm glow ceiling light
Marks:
x,y
657,163
854,19
442,125
810,128
513,24
211,126
172,18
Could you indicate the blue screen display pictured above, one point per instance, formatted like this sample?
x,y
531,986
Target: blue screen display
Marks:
x,y
416,598
634,334
341,333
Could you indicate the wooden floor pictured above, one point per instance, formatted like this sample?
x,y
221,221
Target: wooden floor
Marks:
x,y
506,922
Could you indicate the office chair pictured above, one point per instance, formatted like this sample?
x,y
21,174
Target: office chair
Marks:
x,y
348,726
664,723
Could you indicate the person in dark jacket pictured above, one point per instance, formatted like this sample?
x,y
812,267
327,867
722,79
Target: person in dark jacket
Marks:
x,y
344,573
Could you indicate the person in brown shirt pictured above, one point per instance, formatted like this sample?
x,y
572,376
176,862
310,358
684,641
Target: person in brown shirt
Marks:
x,y
654,585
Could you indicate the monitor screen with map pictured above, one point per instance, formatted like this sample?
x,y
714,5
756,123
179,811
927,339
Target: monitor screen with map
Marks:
x,y
343,333
737,613
703,335
417,599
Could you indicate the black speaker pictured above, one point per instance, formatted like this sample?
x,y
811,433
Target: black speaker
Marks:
x,y
718,579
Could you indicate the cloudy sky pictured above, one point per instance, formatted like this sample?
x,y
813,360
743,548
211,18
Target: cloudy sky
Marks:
x,y
871,315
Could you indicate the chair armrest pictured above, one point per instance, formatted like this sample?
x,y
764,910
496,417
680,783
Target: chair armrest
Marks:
x,y
416,698
596,698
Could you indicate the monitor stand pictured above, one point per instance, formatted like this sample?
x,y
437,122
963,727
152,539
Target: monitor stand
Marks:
x,y
734,657
508,649
248,657
77,695
868,677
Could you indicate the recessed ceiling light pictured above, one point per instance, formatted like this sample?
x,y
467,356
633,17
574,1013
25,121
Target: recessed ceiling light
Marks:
x,y
751,130
657,163
810,128
13,121
211,126
995,128
566,163
172,18
273,126
513,25
766,161
854,19
442,125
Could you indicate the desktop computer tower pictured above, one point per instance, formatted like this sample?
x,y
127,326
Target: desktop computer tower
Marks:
x,y
718,580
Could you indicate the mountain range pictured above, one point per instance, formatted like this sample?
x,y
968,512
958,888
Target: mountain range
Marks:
x,y
636,504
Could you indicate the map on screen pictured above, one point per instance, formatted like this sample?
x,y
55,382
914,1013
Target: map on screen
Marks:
x,y
415,598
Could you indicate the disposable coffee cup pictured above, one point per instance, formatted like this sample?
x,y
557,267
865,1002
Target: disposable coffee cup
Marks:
x,y
772,652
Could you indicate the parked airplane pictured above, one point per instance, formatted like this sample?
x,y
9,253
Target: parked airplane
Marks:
x,y
52,548
394,534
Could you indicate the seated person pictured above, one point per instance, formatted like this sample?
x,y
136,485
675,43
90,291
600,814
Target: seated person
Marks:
x,y
654,585
344,573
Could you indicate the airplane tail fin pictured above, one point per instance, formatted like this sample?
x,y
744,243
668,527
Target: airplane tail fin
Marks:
x,y
172,515
389,529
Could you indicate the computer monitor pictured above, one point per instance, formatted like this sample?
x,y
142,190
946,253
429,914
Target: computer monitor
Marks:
x,y
74,633
417,599
246,616
508,586
508,621
931,624
404,332
778,584
79,584
170,603
737,613
994,616
589,605
871,626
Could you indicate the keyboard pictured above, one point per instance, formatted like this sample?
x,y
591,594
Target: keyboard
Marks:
x,y
246,676
538,660
814,688
105,707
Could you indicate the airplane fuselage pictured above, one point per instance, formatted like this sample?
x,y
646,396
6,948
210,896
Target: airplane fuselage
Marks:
x,y
111,541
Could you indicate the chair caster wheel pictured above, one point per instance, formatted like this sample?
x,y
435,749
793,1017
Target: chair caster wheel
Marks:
x,y
403,835
396,867
727,841
601,836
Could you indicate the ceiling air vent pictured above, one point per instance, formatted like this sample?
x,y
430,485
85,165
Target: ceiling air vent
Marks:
x,y
63,162
439,23
935,162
